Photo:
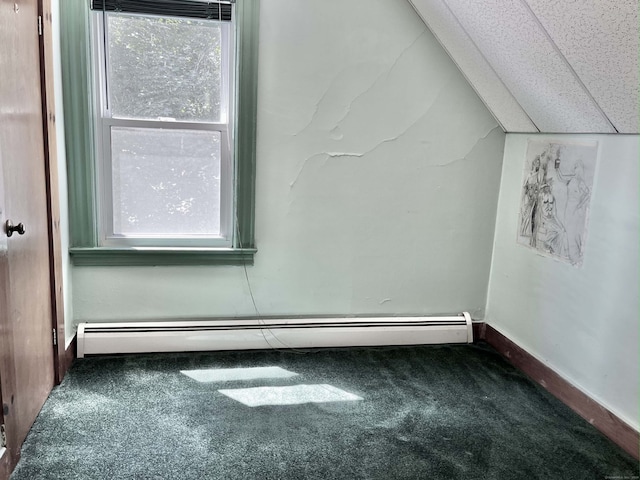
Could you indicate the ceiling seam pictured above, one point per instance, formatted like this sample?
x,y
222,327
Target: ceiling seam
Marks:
x,y
442,44
515,99
569,66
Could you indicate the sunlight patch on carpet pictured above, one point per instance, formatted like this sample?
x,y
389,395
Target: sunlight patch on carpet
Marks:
x,y
293,395
209,375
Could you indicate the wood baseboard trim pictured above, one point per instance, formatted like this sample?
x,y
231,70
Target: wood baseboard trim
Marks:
x,y
608,423
66,360
6,464
479,331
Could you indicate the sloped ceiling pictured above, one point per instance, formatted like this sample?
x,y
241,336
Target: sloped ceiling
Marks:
x,y
553,66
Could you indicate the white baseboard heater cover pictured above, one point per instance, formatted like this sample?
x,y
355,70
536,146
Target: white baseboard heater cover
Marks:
x,y
283,333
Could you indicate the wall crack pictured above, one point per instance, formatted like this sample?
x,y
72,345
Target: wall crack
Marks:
x,y
384,74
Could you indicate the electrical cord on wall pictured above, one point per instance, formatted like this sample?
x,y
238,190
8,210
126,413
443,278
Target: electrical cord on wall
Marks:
x,y
259,316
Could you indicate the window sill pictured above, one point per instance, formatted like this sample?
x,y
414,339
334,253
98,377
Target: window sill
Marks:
x,y
153,256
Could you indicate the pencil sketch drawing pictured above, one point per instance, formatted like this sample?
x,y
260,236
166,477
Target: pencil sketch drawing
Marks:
x,y
556,193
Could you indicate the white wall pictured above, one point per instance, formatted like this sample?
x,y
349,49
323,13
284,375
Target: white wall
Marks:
x,y
582,322
62,174
378,173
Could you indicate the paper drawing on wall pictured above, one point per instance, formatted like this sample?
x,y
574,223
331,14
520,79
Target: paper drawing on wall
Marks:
x,y
556,194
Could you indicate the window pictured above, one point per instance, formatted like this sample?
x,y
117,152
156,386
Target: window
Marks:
x,y
163,131
166,173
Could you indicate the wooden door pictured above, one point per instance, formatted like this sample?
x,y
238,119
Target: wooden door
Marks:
x,y
26,345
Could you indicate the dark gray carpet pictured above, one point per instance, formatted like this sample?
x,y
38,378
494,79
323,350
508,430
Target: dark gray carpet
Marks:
x,y
443,412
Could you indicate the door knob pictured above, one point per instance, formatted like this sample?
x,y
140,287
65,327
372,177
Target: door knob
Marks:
x,y
10,228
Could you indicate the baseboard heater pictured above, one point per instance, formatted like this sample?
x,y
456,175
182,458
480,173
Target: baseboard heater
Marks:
x,y
268,333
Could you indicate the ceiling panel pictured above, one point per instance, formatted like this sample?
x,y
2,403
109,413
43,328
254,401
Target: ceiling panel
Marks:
x,y
520,52
473,65
600,41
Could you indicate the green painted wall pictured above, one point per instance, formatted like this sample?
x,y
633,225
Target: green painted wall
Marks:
x,y
376,187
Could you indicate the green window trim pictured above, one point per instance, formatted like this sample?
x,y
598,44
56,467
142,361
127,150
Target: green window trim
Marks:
x,y
79,141
139,256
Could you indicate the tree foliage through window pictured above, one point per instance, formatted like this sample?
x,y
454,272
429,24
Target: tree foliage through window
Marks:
x,y
164,67
164,180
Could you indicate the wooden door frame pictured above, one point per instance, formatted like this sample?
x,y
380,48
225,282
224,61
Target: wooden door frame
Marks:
x,y
62,357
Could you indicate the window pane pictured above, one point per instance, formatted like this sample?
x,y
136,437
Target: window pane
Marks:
x,y
164,68
165,181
